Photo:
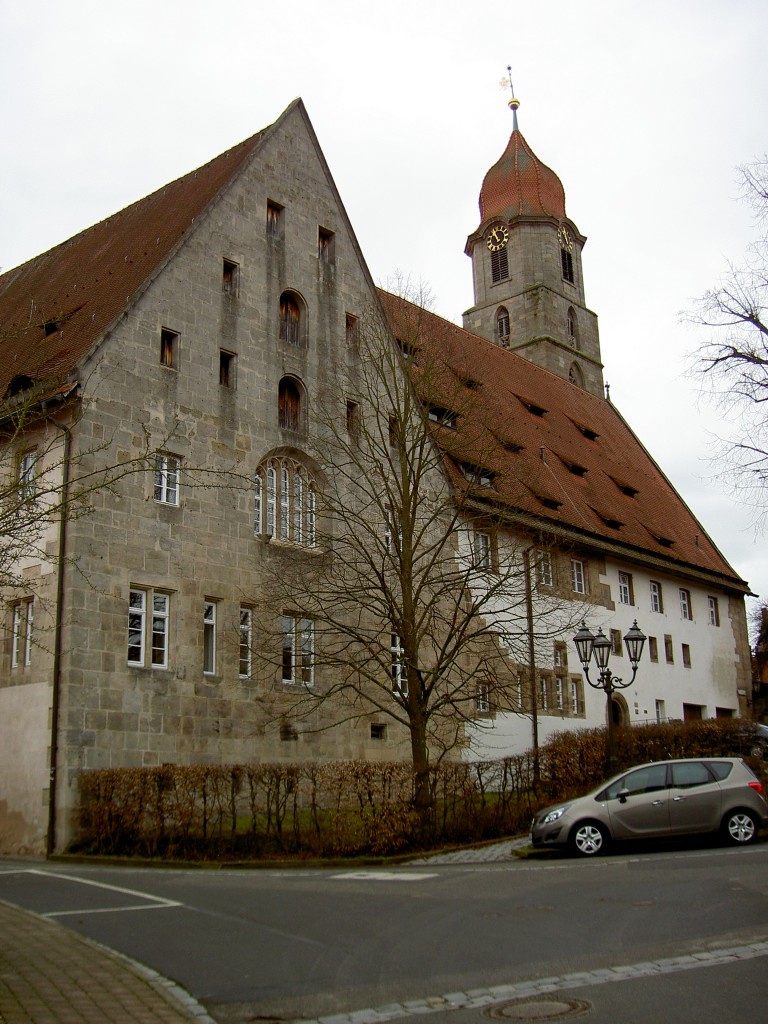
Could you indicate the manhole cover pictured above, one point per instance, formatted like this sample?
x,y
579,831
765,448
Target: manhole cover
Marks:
x,y
539,1009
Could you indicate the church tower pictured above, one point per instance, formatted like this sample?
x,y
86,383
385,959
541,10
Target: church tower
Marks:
x,y
526,263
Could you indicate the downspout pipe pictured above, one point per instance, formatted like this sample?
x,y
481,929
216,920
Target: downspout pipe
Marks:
x,y
50,842
532,666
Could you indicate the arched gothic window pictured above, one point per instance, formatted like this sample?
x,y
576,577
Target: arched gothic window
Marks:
x,y
285,503
573,335
575,376
290,319
289,411
502,326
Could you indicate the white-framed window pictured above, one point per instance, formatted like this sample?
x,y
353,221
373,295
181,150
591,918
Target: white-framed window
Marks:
x,y
661,711
397,660
519,690
246,643
544,694
27,475
298,650
686,607
481,550
285,503
577,697
714,611
626,595
167,479
560,655
578,579
544,575
559,694
148,619
209,637
21,633
483,699
657,602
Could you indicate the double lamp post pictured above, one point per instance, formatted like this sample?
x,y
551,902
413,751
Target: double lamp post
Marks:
x,y
599,647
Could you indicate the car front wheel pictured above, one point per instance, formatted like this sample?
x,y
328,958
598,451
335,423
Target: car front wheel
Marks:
x,y
740,827
589,839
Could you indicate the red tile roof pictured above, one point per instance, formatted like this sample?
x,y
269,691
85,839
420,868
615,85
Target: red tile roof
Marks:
x,y
560,457
80,287
519,184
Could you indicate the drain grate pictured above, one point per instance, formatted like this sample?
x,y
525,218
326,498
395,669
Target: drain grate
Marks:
x,y
537,1008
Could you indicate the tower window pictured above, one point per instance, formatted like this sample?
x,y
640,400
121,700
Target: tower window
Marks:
x,y
290,319
502,327
274,220
169,344
289,404
226,369
566,260
571,323
499,266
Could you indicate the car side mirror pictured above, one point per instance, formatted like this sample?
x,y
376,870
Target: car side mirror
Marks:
x,y
623,794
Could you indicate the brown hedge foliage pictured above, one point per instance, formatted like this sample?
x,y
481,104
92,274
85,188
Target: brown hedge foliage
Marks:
x,y
347,808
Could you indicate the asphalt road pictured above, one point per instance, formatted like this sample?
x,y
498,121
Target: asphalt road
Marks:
x,y
306,943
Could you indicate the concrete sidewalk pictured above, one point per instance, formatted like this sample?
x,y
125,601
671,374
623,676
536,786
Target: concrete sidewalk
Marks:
x,y
51,975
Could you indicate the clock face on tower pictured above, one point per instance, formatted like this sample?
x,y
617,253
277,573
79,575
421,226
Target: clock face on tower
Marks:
x,y
498,237
566,242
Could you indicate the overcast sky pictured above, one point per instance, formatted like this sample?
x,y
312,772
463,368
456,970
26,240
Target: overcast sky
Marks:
x,y
644,109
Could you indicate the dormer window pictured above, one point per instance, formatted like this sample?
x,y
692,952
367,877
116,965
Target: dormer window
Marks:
x,y
533,408
407,350
444,417
51,327
477,475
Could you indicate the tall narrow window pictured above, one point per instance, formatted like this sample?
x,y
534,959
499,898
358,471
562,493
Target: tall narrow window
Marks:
x,y
577,699
626,595
166,490
657,603
350,330
226,369
169,345
21,635
566,260
289,404
544,575
298,650
325,245
686,651
571,327
399,674
653,648
543,694
209,637
27,474
686,608
499,266
502,326
616,643
274,220
483,699
230,278
481,544
148,614
714,611
559,695
353,418
285,502
669,652
246,642
578,585
290,320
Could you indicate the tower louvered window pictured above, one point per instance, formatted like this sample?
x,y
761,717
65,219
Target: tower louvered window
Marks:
x,y
499,266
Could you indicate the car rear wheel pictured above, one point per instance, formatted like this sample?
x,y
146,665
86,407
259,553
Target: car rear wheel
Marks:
x,y
740,827
588,839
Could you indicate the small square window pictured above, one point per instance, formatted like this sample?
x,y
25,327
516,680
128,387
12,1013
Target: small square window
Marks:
x,y
230,278
325,245
226,369
169,348
378,731
274,220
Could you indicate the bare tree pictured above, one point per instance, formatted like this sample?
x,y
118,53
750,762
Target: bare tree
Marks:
x,y
733,362
412,598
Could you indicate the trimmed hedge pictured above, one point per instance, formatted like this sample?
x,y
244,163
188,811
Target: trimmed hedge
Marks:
x,y
348,808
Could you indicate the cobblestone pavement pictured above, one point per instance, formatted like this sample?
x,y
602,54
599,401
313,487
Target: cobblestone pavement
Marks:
x,y
489,854
51,975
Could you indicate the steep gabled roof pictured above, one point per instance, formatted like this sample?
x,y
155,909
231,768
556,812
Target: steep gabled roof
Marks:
x,y
548,452
56,306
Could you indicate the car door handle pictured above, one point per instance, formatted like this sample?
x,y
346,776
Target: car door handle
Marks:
x,y
678,798
657,803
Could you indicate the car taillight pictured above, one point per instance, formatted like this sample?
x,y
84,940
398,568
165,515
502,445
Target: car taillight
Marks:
x,y
758,786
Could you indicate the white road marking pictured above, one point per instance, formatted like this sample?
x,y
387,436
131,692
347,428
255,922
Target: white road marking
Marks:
x,y
151,902
386,876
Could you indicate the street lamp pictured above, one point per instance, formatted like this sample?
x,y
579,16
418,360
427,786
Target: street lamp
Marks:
x,y
599,647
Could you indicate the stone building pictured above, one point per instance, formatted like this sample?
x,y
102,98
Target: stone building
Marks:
x,y
193,339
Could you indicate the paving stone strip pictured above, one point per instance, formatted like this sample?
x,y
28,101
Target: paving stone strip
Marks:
x,y
481,997
51,975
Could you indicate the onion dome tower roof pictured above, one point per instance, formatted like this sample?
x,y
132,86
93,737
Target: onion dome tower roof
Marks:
x,y
519,184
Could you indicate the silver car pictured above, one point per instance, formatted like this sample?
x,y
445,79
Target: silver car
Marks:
x,y
664,798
